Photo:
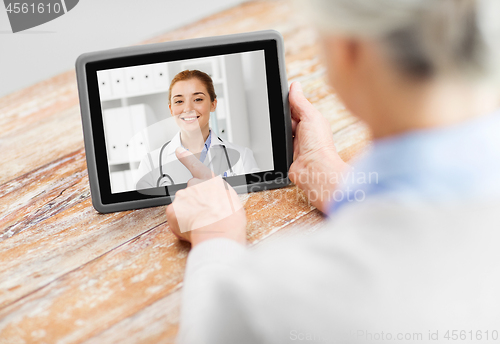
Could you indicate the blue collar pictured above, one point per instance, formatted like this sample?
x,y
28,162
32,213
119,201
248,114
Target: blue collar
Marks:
x,y
454,163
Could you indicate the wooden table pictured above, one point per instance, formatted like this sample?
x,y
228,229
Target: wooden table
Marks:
x,y
69,274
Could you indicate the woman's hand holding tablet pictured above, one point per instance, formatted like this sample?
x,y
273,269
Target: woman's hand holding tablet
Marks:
x,y
317,168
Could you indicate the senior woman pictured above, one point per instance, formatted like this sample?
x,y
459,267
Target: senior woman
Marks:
x,y
417,259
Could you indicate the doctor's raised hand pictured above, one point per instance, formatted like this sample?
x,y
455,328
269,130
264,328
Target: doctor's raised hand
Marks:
x,y
208,208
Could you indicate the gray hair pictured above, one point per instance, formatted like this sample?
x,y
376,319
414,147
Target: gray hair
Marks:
x,y
423,37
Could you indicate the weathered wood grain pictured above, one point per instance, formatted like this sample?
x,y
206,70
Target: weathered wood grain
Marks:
x,y
35,196
96,295
157,322
37,102
123,281
45,127
64,242
70,274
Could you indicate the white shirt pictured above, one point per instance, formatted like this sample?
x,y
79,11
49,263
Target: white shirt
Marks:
x,y
379,267
240,158
417,261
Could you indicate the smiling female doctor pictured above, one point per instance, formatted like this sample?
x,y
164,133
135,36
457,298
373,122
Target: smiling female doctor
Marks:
x,y
191,100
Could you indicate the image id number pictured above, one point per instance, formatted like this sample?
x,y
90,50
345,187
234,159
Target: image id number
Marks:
x,y
18,7
456,335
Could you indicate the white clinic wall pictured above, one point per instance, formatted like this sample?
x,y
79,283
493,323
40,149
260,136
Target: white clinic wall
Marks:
x,y
254,75
44,51
236,97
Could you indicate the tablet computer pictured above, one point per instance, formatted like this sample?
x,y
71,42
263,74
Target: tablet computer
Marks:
x,y
223,98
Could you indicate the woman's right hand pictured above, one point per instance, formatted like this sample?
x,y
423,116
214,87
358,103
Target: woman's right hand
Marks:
x,y
208,208
316,167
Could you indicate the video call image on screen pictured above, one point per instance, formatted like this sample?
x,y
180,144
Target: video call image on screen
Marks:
x,y
217,109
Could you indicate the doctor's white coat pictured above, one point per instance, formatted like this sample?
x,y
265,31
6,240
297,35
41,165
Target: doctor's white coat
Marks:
x,y
240,158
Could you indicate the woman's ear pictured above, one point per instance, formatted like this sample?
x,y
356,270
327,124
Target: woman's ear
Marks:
x,y
342,59
214,105
170,107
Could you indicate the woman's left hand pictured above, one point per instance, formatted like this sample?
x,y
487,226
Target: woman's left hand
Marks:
x,y
208,208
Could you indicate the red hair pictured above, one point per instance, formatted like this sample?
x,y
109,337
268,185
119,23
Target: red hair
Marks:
x,y
194,74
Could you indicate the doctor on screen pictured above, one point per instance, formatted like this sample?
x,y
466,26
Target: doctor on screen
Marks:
x,y
191,100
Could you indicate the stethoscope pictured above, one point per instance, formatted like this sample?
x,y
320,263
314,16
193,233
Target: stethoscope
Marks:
x,y
164,175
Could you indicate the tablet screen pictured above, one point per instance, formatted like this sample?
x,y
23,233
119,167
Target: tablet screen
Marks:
x,y
224,102
216,107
